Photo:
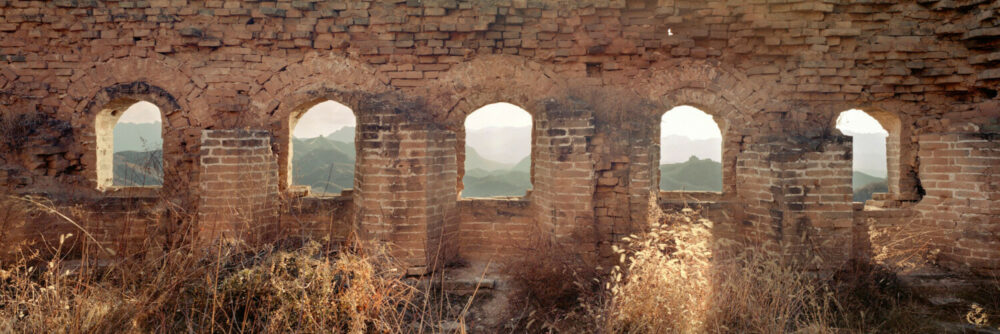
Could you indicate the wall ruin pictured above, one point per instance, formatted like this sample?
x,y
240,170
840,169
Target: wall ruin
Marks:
x,y
596,75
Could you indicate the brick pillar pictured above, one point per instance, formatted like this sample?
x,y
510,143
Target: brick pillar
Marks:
x,y
564,174
406,184
626,155
238,184
960,212
798,193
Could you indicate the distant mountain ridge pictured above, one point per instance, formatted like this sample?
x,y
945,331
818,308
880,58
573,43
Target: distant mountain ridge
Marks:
x,y
487,178
325,165
692,175
132,169
865,185
138,137
678,149
344,134
506,145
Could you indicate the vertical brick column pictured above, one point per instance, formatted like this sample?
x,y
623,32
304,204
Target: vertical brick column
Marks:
x,y
239,185
626,155
798,193
564,174
406,184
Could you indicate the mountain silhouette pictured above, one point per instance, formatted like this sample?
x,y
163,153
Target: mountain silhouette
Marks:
x,y
133,169
692,175
323,164
507,145
138,137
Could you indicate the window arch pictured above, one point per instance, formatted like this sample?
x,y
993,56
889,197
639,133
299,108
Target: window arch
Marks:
x,y
877,152
322,150
497,151
690,151
129,145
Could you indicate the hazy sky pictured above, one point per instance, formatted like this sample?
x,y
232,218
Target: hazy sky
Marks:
x,y
689,122
498,115
323,119
855,121
141,112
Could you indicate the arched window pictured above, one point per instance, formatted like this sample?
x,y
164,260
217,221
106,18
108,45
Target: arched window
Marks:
x,y
497,151
690,151
130,145
322,149
871,158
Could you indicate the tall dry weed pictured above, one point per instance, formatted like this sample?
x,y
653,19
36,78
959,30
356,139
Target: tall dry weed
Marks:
x,y
672,279
231,288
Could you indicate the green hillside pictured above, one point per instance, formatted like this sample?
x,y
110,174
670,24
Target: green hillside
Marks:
x,y
861,179
487,178
344,135
133,168
865,185
325,165
475,161
523,166
479,183
692,175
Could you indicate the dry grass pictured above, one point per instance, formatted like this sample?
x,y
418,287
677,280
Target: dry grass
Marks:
x,y
229,286
671,280
674,277
228,289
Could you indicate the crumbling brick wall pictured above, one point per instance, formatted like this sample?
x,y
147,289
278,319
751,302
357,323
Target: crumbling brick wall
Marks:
x,y
773,74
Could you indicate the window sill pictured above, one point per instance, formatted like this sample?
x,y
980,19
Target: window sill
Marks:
x,y
690,196
133,192
305,192
511,199
885,201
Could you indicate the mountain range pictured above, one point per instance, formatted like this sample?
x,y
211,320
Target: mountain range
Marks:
x,y
508,145
675,149
132,168
138,137
692,175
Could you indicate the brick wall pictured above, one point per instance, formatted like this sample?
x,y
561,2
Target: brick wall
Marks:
x,y
595,75
961,208
406,183
317,218
798,195
564,175
238,185
495,229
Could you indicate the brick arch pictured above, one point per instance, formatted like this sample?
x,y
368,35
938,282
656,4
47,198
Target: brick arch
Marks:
x,y
485,80
100,117
335,78
300,86
901,150
732,99
468,86
117,84
708,85
164,76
